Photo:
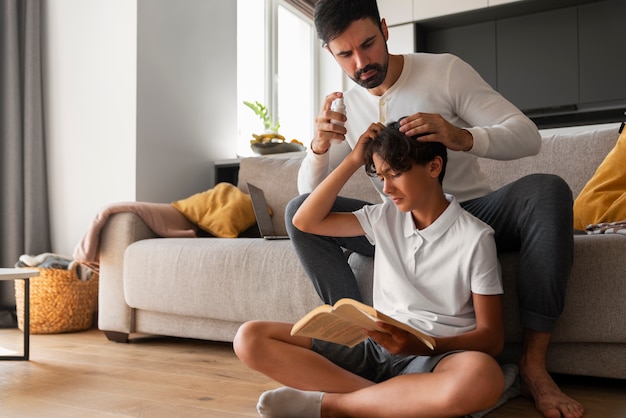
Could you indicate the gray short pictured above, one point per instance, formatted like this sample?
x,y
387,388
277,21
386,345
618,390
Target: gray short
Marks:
x,y
372,362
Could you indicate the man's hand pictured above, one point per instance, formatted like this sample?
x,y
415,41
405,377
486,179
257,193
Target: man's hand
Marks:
x,y
399,341
325,130
431,127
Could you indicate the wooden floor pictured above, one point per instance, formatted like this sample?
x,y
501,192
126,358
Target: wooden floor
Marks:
x,y
84,375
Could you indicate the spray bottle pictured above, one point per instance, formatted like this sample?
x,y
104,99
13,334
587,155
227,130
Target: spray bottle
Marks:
x,y
339,107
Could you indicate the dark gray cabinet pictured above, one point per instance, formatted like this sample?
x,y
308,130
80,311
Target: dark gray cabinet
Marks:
x,y
561,61
537,59
602,49
475,44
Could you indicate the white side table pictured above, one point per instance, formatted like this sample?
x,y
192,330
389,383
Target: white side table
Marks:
x,y
26,274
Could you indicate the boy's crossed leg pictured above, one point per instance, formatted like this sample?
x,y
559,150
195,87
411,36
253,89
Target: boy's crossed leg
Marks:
x,y
460,384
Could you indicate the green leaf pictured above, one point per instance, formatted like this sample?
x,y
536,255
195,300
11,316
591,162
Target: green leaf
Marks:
x,y
262,112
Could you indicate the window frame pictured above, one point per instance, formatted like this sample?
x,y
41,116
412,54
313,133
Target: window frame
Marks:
x,y
271,57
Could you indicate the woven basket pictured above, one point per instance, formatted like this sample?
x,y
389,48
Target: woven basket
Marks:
x,y
59,301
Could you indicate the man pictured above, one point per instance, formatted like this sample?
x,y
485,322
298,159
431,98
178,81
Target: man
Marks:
x,y
448,102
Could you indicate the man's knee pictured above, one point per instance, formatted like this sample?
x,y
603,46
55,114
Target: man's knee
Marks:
x,y
293,205
290,210
546,188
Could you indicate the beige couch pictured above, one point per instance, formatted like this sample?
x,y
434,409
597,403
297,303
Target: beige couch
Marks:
x,y
206,287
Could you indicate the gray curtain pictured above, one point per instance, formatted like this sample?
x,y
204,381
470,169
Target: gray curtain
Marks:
x,y
24,219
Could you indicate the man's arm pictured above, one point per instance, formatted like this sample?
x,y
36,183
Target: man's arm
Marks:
x,y
489,126
316,165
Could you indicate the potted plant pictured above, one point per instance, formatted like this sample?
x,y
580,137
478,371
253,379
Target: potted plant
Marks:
x,y
270,141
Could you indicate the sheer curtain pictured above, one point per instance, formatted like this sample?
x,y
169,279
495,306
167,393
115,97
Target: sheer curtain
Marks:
x,y
24,218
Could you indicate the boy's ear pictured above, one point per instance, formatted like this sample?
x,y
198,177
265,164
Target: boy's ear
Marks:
x,y
436,165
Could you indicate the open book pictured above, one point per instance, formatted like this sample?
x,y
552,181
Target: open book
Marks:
x,y
344,323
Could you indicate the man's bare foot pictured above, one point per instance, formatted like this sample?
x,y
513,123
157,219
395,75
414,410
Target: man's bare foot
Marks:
x,y
550,401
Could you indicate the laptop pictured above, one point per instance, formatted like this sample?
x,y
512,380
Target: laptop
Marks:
x,y
263,219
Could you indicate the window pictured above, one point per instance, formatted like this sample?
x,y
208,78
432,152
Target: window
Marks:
x,y
276,49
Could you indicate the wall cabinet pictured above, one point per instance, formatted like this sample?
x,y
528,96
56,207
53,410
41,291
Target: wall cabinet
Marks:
x,y
540,69
396,12
601,34
426,9
474,43
401,39
499,2
560,65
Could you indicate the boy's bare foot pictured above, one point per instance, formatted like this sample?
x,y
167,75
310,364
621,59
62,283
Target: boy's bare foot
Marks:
x,y
550,401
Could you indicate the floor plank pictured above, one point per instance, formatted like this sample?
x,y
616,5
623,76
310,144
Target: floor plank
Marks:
x,y
85,375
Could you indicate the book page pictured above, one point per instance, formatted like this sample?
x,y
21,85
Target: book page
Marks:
x,y
331,327
344,323
373,315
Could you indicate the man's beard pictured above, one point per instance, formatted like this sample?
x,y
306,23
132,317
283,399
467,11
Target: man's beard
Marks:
x,y
374,81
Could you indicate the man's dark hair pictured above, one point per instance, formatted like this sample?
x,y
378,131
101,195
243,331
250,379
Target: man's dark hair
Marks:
x,y
332,17
401,151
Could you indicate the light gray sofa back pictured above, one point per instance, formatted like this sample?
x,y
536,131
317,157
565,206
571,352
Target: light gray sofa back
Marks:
x,y
278,177
574,157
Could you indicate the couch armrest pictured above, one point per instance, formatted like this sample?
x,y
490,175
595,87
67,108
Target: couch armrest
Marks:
x,y
120,230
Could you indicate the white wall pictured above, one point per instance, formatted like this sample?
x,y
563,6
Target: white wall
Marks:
x,y
140,99
90,101
186,95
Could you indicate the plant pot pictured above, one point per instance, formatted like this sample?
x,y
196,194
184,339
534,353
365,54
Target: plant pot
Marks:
x,y
275,147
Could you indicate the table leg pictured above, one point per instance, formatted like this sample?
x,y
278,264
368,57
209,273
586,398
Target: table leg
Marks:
x,y
26,348
26,318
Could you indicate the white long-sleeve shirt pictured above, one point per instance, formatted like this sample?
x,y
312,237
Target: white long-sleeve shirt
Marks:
x,y
443,84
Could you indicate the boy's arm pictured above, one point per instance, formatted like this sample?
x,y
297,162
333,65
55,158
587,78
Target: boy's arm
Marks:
x,y
314,215
488,336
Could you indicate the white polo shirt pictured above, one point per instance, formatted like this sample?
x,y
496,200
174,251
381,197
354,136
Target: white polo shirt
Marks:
x,y
426,277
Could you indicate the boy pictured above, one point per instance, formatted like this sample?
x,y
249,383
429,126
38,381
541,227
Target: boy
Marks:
x,y
435,268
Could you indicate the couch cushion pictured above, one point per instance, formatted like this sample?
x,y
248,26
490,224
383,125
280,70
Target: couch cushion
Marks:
x,y
603,199
223,211
228,279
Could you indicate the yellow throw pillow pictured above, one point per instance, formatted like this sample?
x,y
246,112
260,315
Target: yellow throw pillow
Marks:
x,y
223,211
603,199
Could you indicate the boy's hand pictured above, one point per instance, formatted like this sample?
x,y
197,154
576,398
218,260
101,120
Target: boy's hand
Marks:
x,y
398,341
325,130
358,153
432,127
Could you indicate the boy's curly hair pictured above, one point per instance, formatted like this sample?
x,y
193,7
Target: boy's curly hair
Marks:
x,y
401,151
